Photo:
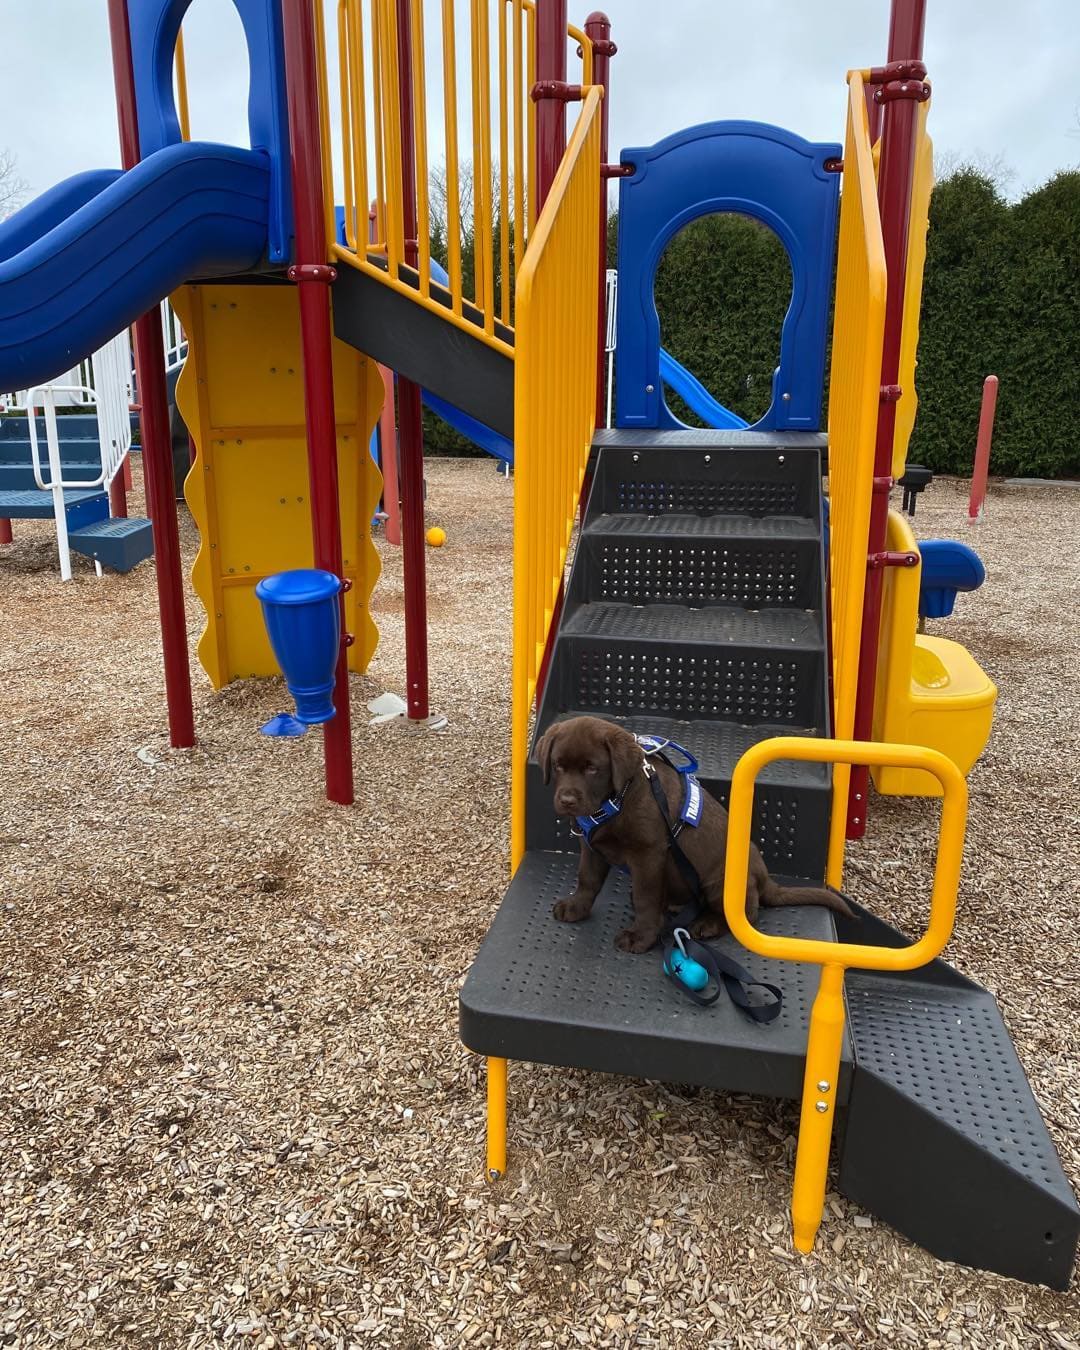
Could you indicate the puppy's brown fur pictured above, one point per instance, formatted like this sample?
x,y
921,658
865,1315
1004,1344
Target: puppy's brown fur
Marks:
x,y
591,760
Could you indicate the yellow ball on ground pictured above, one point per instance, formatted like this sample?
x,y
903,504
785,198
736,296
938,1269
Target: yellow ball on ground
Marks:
x,y
436,536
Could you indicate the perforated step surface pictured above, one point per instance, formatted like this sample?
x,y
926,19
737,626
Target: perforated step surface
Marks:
x,y
719,527
715,625
559,993
33,504
733,560
116,543
973,1173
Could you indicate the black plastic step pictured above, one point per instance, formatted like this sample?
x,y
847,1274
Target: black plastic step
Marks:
x,y
700,560
791,802
715,625
944,1139
560,993
423,346
707,473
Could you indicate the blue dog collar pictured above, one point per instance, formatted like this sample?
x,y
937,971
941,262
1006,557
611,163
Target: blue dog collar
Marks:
x,y
660,747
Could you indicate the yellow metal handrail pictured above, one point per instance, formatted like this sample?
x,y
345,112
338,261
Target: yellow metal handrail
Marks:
x,y
501,52
826,1033
554,415
855,379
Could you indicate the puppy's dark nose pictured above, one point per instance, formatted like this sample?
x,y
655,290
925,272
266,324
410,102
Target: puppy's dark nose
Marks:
x,y
569,803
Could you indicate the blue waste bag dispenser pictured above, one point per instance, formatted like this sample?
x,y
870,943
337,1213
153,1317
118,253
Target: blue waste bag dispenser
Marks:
x,y
302,614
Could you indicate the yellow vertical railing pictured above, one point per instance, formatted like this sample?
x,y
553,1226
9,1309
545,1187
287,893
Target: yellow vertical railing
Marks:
x,y
183,112
492,111
854,380
554,415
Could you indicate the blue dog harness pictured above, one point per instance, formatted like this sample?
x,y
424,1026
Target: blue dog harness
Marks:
x,y
660,748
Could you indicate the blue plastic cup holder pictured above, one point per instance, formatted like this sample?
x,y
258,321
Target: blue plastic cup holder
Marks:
x,y
302,614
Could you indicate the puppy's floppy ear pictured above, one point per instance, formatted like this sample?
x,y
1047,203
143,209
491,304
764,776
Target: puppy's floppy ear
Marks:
x,y
626,756
545,747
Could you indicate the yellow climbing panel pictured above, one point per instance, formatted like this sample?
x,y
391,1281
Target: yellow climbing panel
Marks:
x,y
241,394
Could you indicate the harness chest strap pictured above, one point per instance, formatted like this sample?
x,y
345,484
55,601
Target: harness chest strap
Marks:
x,y
654,747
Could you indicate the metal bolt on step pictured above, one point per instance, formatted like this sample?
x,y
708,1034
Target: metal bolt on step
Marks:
x,y
824,1085
821,1107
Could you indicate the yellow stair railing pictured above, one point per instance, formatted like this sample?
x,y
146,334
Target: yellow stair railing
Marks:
x,y
498,169
826,1032
854,388
554,415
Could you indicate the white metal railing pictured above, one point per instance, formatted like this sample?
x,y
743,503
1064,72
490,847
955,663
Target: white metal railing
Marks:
x,y
108,389
611,305
174,336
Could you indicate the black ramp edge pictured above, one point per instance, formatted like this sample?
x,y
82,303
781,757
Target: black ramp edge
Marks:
x,y
559,993
944,1139
425,347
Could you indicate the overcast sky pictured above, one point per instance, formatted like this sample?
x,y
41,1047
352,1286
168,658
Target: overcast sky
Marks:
x,y
1005,75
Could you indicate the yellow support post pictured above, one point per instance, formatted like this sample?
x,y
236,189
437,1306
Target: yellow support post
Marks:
x,y
496,1118
825,1037
818,1107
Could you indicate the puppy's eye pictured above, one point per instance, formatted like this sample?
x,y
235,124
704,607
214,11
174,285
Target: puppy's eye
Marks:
x,y
558,766
591,768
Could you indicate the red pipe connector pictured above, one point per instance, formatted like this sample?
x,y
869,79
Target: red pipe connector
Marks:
x,y
556,89
312,272
918,90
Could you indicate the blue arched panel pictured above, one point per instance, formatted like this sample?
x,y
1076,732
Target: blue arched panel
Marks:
x,y
155,25
756,170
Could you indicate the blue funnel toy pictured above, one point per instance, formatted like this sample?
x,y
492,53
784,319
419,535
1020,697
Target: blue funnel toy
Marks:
x,y
947,567
303,619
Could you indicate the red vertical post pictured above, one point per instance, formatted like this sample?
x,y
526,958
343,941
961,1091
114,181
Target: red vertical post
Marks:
x,y
981,471
154,420
313,276
550,106
118,488
899,89
5,531
410,412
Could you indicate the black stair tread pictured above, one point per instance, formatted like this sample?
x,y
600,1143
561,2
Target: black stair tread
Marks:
x,y
714,624
116,527
560,993
717,746
705,438
716,526
946,1046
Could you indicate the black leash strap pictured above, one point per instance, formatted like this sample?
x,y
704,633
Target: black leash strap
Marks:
x,y
726,973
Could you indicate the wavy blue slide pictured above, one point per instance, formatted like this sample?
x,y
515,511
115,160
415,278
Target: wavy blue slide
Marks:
x,y
694,394
86,258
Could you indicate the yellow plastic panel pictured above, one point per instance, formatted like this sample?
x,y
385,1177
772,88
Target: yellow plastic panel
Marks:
x,y
930,690
241,393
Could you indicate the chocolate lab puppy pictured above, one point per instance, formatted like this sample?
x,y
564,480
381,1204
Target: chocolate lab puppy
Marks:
x,y
592,760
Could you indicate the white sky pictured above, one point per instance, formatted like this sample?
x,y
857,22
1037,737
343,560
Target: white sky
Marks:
x,y
1005,75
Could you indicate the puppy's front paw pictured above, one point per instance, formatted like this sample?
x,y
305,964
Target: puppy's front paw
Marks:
x,y
632,940
572,910
708,926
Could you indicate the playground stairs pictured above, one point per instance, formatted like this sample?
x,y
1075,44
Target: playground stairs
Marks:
x,y
450,361
696,610
116,543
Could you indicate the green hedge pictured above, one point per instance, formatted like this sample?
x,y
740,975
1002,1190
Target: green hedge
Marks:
x,y
1001,296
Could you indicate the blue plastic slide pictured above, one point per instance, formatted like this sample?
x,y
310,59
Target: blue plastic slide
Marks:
x,y
694,394
89,256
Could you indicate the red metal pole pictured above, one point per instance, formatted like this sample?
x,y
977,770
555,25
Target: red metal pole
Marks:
x,y
154,419
118,487
5,531
550,107
313,277
410,420
899,89
982,447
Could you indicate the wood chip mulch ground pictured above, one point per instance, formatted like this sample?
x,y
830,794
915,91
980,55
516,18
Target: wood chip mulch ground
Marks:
x,y
234,1109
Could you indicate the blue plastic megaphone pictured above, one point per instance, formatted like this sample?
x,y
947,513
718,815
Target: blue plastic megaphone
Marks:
x,y
302,614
